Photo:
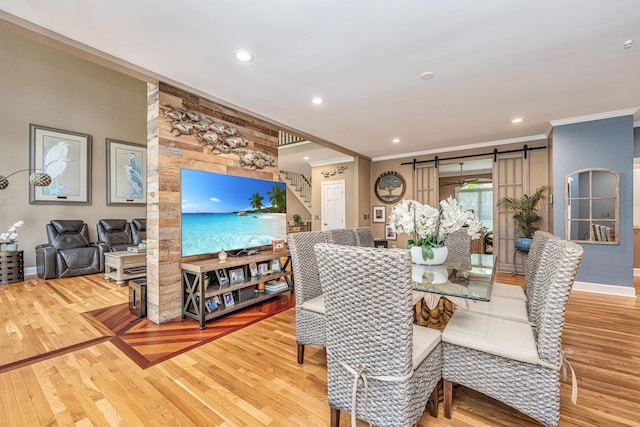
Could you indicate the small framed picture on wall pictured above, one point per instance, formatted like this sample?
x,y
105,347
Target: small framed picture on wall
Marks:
x,y
389,232
379,213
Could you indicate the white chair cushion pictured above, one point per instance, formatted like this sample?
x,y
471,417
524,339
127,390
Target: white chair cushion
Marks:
x,y
424,341
508,291
502,308
506,338
315,304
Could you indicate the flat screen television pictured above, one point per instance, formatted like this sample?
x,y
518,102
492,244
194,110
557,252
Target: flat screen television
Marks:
x,y
229,212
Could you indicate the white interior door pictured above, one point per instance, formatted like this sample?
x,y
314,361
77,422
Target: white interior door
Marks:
x,y
333,205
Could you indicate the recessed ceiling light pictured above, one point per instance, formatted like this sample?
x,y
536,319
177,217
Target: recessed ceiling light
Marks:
x,y
243,56
628,44
427,75
395,140
305,158
317,100
517,120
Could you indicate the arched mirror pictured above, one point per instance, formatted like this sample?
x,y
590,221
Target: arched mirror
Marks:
x,y
592,203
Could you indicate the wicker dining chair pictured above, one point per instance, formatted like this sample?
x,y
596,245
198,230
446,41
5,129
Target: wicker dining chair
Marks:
x,y
372,345
459,245
343,236
514,362
310,309
364,237
519,310
504,290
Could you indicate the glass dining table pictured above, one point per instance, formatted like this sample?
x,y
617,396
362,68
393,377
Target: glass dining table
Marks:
x,y
438,289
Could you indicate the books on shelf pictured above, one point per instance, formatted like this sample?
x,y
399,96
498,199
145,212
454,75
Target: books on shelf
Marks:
x,y
274,286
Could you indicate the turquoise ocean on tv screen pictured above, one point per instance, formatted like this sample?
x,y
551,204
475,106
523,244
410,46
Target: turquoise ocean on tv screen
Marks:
x,y
212,232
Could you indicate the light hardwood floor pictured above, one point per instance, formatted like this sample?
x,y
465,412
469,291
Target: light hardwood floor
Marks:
x,y
56,368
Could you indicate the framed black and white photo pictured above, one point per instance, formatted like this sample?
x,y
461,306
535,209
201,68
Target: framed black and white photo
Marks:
x,y
228,299
253,269
223,280
379,213
66,157
236,276
126,173
389,232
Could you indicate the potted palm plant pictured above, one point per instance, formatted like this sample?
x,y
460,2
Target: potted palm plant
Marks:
x,y
527,215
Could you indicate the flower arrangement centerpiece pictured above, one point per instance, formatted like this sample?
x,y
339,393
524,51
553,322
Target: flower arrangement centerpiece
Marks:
x,y
9,238
430,226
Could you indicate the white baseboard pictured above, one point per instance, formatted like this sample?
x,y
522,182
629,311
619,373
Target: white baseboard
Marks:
x,y
30,271
622,291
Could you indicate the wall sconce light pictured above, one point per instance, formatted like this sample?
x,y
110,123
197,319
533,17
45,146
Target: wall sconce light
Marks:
x,y
339,169
37,179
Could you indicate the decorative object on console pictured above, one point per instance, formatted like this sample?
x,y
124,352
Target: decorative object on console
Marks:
x,y
222,256
9,238
65,157
278,245
389,232
38,179
430,226
126,173
393,184
527,215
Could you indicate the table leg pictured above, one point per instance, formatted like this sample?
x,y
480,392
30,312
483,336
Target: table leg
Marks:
x,y
437,317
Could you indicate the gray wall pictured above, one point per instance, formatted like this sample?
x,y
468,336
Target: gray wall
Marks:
x,y
607,143
44,86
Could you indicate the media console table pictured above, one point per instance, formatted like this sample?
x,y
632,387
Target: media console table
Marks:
x,y
232,285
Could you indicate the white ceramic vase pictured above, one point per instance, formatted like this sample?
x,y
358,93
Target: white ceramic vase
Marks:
x,y
439,256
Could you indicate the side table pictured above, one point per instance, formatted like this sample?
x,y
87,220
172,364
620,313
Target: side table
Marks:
x,y
11,267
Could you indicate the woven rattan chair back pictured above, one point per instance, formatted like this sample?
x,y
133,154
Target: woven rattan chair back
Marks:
x,y
343,236
459,245
534,299
367,295
364,237
556,275
310,325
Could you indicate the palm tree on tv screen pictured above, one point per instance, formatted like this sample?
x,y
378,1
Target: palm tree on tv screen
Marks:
x,y
277,197
256,201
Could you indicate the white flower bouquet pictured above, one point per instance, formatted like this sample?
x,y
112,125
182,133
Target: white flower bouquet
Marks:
x,y
430,226
11,235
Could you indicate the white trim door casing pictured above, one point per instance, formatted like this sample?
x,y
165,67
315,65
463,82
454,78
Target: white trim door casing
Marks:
x,y
333,205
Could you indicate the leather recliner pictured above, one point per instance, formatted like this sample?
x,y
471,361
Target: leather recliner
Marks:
x,y
139,230
69,252
116,233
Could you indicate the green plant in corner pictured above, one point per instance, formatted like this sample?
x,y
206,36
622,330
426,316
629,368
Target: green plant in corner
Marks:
x,y
527,213
297,219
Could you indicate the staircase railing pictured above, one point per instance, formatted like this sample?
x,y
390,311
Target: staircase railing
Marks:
x,y
302,184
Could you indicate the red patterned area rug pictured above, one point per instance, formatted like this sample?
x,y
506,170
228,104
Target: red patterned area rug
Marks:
x,y
147,343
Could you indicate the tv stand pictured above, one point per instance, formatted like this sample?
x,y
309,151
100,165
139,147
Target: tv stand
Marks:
x,y
232,281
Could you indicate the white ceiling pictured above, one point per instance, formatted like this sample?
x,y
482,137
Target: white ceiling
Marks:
x,y
493,60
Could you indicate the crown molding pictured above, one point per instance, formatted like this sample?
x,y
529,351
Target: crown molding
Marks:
x,y
592,117
334,161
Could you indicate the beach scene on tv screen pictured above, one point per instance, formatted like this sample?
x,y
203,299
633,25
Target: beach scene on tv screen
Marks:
x,y
229,212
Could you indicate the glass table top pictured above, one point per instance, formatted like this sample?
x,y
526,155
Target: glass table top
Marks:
x,y
471,283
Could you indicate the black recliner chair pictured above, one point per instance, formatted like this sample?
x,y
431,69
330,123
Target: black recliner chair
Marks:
x,y
139,230
116,233
69,252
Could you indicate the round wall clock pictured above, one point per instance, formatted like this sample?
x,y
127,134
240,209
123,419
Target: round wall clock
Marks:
x,y
390,187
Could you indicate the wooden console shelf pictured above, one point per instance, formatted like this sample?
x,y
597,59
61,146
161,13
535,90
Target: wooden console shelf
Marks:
x,y
212,279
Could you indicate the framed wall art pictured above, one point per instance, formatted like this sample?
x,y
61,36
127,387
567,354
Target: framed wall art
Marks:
x,y
379,213
389,232
66,157
126,173
390,187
